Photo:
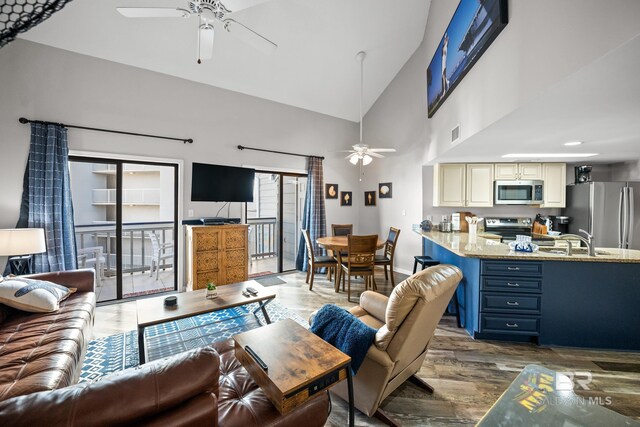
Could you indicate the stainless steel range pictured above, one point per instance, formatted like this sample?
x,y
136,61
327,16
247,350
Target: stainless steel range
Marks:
x,y
508,228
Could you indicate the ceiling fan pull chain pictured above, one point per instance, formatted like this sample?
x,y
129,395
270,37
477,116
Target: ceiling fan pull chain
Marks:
x,y
361,91
199,34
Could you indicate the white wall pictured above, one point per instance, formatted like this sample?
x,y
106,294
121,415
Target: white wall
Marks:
x,y
544,42
45,83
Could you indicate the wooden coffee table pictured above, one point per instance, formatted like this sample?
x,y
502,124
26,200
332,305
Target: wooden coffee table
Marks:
x,y
152,311
299,364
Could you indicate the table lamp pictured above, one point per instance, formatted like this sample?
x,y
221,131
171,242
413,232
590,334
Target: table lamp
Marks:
x,y
20,244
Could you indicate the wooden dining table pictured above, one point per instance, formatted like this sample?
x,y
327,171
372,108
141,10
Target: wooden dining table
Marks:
x,y
339,244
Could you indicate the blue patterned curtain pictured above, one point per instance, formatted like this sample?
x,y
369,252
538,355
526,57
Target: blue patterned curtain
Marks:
x,y
314,218
46,197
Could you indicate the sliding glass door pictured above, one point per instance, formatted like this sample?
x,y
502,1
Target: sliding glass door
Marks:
x,y
274,219
126,225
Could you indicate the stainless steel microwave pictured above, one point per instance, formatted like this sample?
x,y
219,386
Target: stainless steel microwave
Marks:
x,y
518,192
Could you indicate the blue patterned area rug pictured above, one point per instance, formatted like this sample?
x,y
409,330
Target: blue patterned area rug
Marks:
x,y
114,353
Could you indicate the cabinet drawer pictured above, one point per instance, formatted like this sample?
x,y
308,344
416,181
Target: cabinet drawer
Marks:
x,y
512,268
515,284
516,325
521,303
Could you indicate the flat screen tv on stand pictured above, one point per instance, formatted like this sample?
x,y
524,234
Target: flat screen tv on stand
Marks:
x,y
217,183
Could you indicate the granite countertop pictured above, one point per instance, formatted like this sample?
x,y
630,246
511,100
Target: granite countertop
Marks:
x,y
465,245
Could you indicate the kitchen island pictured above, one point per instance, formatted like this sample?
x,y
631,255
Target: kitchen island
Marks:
x,y
547,298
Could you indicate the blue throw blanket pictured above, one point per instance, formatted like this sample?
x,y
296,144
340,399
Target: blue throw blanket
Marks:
x,y
344,331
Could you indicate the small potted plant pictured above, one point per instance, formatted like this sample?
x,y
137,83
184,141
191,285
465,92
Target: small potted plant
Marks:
x,y
212,291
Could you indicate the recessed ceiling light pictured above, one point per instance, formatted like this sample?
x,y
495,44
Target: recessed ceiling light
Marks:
x,y
546,155
573,143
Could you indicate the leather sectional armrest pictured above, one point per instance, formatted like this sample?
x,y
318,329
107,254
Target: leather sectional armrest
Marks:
x,y
129,397
375,304
84,279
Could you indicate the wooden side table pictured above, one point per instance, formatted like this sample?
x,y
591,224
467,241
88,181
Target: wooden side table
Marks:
x,y
299,364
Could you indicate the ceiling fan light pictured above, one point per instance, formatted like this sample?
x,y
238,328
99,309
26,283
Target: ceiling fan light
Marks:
x,y
366,159
206,36
354,160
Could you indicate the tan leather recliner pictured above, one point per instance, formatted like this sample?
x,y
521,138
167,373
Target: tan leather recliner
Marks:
x,y
406,322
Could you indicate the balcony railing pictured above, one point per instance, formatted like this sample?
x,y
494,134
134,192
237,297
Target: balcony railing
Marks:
x,y
130,196
263,241
137,250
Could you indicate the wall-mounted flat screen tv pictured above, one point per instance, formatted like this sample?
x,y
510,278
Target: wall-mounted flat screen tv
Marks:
x,y
217,183
474,26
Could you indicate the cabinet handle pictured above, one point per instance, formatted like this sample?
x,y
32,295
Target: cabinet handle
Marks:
x,y
512,303
513,268
512,325
513,285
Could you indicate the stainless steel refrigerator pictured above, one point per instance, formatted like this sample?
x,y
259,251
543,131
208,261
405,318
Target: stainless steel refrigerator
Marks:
x,y
607,210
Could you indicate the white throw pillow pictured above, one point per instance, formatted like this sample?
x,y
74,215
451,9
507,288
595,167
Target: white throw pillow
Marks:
x,y
36,296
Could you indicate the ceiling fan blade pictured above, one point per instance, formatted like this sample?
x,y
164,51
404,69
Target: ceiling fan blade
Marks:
x,y
373,154
344,151
249,36
383,150
206,36
351,155
237,5
153,12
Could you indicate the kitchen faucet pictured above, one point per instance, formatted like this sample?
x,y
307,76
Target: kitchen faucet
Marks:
x,y
587,241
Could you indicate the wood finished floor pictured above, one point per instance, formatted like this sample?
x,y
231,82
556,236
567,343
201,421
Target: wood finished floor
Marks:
x,y
468,375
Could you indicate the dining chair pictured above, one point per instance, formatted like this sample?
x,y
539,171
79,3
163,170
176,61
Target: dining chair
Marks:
x,y
360,259
93,257
386,259
342,229
316,261
159,252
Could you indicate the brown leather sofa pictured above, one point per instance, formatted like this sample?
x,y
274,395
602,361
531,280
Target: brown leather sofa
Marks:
x,y
41,356
406,321
45,351
202,387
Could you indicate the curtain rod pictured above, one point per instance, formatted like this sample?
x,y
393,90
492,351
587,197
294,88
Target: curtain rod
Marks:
x,y
183,140
242,147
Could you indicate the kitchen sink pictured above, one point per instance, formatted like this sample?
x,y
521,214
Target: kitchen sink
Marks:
x,y
575,251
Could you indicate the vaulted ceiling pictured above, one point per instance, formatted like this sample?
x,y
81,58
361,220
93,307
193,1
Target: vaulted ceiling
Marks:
x,y
313,68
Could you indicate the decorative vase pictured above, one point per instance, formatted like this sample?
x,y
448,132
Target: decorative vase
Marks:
x,y
211,293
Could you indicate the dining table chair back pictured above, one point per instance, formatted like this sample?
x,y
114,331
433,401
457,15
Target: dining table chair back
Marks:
x,y
316,261
361,254
386,259
342,229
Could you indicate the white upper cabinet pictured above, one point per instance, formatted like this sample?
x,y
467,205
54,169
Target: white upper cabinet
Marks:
x,y
479,185
555,182
460,185
449,184
525,171
506,171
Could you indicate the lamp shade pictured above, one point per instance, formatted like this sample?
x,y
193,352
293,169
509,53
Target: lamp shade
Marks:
x,y
22,241
366,159
354,159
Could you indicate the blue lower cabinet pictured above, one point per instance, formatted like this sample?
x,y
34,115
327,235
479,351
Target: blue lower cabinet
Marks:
x,y
505,303
509,324
558,303
510,298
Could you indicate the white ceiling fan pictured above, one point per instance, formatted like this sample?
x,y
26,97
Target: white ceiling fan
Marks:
x,y
362,154
209,12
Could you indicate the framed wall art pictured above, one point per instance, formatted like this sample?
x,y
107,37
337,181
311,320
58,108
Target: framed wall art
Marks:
x,y
369,198
346,198
385,190
474,26
331,191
